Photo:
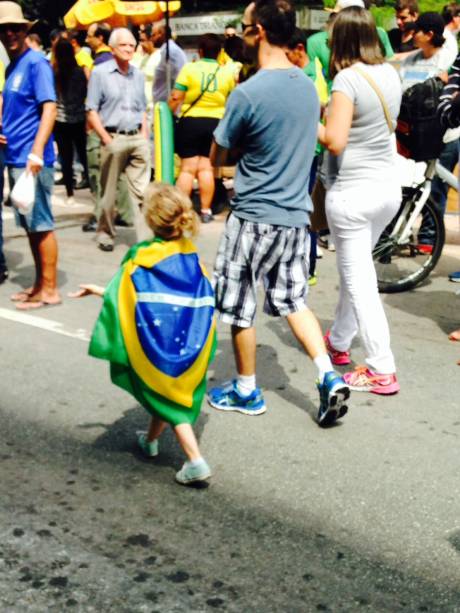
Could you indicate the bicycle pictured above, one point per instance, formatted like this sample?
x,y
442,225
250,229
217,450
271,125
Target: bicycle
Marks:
x,y
400,261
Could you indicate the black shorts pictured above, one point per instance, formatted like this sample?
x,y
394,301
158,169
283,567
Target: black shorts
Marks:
x,y
193,136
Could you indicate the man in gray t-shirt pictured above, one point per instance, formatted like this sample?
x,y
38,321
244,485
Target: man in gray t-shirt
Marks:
x,y
272,119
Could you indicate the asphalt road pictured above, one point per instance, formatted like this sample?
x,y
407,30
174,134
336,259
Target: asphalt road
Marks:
x,y
360,517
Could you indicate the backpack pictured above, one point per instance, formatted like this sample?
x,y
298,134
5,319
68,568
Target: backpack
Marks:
x,y
419,133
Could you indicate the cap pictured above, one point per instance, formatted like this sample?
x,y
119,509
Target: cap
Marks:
x,y
429,22
346,4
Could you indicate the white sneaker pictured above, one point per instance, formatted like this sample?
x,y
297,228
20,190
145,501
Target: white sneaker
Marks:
x,y
70,201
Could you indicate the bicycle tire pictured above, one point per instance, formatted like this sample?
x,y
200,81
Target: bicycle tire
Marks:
x,y
387,252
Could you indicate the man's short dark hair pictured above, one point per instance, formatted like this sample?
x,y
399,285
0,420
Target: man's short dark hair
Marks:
x,y
298,38
56,33
278,19
210,46
410,5
147,30
104,32
450,11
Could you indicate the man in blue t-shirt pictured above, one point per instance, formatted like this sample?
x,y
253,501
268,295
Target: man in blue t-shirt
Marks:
x,y
29,111
272,120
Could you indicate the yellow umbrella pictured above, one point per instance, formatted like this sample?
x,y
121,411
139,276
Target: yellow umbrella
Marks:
x,y
116,13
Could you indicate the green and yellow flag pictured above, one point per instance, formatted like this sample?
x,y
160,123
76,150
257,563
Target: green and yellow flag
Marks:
x,y
157,328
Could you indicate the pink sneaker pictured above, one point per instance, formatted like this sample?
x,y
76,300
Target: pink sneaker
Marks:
x,y
364,380
339,358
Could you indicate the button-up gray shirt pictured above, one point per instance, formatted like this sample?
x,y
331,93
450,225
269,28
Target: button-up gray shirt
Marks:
x,y
118,98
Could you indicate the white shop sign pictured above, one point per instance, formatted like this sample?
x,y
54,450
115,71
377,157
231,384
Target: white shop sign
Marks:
x,y
194,26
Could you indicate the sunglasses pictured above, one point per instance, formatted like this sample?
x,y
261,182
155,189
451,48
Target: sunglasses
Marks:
x,y
12,27
245,26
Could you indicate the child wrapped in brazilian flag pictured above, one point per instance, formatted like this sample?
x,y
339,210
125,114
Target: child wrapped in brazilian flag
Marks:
x,y
157,326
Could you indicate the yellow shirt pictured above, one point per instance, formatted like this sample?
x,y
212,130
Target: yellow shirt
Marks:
x,y
193,79
84,59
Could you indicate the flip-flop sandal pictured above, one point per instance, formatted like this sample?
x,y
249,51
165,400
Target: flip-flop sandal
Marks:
x,y
32,305
454,336
21,296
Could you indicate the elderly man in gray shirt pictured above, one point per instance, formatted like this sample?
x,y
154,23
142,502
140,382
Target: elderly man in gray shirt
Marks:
x,y
116,107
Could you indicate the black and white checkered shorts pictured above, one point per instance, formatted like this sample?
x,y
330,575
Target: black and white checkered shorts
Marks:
x,y
249,252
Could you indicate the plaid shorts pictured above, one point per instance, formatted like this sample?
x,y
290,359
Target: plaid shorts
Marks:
x,y
250,251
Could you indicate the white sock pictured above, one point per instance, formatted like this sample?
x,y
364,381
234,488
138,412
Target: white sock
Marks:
x,y
323,364
195,463
246,384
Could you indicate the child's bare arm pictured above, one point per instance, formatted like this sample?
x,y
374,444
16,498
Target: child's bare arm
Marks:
x,y
87,290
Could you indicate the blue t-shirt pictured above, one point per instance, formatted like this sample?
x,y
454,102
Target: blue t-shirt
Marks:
x,y
273,117
29,83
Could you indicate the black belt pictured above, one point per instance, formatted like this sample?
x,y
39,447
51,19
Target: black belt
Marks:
x,y
124,132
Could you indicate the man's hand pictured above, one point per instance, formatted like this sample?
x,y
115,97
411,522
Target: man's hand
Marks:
x,y
34,163
3,140
106,139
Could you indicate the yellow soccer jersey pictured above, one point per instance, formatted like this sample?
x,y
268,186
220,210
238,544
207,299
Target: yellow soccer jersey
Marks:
x,y
193,79
84,59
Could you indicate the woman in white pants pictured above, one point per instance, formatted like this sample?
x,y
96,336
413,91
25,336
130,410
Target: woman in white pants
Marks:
x,y
362,195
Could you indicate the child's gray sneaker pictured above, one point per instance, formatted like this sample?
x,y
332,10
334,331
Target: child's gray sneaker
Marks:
x,y
193,473
150,449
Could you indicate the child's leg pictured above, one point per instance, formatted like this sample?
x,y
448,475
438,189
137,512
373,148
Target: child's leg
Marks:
x,y
196,468
187,440
156,428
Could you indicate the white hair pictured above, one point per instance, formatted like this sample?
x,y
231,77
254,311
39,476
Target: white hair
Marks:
x,y
113,40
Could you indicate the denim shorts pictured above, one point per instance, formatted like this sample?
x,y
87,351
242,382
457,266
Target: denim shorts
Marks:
x,y
40,219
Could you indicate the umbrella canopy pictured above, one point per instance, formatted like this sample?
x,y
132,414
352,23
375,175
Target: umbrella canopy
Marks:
x,y
116,12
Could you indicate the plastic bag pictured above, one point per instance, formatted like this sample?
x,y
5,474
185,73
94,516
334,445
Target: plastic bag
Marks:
x,y
23,193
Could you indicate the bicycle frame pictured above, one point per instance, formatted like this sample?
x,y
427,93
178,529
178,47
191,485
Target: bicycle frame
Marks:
x,y
434,167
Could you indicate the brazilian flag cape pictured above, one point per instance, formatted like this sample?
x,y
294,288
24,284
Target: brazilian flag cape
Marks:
x,y
157,328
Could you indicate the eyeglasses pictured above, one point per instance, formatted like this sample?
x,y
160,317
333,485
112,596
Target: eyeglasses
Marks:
x,y
245,26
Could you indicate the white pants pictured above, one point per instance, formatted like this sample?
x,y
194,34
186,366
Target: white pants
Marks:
x,y
357,217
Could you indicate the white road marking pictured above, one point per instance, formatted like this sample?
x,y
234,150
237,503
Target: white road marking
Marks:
x,y
44,324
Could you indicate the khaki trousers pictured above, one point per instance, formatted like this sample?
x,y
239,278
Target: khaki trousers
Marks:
x,y
123,202
129,154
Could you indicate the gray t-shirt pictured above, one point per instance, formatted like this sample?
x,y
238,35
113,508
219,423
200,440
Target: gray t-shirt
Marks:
x,y
177,59
370,151
273,118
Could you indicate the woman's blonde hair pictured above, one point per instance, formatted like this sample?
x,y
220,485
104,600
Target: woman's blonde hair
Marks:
x,y
169,212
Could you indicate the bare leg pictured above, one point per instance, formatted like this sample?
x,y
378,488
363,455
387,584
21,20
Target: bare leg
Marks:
x,y
187,440
156,428
188,172
307,331
206,183
244,347
48,254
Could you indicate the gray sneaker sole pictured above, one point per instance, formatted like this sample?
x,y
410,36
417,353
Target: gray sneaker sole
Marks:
x,y
337,407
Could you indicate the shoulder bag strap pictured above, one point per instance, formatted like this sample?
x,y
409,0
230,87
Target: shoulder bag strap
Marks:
x,y
202,93
377,90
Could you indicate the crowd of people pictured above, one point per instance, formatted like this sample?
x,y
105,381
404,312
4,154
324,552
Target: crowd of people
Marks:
x,y
309,120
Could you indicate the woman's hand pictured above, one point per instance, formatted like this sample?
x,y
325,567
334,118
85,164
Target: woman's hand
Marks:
x,y
87,290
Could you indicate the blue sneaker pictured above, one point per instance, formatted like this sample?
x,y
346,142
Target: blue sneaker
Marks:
x,y
455,277
333,393
228,398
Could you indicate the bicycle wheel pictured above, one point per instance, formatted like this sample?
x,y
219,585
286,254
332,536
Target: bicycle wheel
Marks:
x,y
402,266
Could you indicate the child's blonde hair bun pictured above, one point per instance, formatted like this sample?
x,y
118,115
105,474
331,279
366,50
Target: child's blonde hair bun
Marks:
x,y
169,212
